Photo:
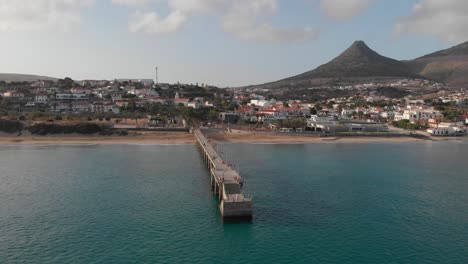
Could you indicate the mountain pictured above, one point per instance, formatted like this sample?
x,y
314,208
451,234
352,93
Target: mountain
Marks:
x,y
458,50
357,62
13,77
449,66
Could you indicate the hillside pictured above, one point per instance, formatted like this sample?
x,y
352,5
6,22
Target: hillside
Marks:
x,y
13,77
458,50
449,66
357,63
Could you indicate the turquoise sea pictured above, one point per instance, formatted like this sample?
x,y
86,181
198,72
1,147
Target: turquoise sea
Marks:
x,y
313,203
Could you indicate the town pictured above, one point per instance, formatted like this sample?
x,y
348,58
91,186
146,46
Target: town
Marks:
x,y
373,108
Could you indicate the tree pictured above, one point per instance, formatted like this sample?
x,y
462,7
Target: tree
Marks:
x,y
212,115
131,106
128,95
156,108
406,124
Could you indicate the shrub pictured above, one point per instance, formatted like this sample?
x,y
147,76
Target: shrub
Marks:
x,y
81,128
9,126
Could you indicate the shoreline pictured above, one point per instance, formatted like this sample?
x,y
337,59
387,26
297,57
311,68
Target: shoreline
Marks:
x,y
181,138
144,138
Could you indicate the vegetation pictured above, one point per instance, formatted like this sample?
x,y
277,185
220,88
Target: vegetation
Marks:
x,y
9,126
80,128
202,114
66,83
392,92
292,123
452,114
406,124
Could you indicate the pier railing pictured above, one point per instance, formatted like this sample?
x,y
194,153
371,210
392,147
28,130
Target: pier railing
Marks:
x,y
225,181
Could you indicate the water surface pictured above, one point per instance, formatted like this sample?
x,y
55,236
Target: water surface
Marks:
x,y
314,203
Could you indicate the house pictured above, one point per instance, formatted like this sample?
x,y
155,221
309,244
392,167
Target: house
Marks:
x,y
41,98
52,90
347,112
81,90
194,105
105,107
71,96
61,107
182,101
387,114
81,107
464,119
322,123
418,115
398,115
262,103
13,95
40,84
142,93
440,132
447,129
229,118
433,122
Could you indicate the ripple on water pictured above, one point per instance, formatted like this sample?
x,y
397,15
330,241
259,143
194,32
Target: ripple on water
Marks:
x,y
314,203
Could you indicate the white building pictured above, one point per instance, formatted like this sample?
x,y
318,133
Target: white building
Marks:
x,y
71,96
414,115
387,114
262,103
41,98
447,129
347,112
144,92
13,94
81,90
322,123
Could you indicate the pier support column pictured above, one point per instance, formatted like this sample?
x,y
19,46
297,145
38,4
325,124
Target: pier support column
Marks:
x,y
211,181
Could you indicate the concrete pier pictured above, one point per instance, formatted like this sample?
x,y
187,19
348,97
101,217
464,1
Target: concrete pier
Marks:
x,y
226,183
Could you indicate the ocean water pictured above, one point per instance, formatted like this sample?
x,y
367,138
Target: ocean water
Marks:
x,y
313,203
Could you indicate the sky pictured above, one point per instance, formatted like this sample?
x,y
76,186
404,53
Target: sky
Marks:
x,y
217,42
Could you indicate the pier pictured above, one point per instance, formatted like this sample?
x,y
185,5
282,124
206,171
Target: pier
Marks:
x,y
226,183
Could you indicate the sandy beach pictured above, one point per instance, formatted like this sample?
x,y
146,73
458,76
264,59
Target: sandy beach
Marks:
x,y
136,138
153,137
288,139
259,137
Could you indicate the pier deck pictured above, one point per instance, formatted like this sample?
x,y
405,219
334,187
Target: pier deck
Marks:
x,y
225,181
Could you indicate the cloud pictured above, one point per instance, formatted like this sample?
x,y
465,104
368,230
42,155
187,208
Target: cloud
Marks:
x,y
238,17
195,7
152,23
241,21
132,3
344,9
21,15
446,20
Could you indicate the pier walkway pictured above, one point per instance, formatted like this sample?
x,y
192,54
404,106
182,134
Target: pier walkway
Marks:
x,y
225,181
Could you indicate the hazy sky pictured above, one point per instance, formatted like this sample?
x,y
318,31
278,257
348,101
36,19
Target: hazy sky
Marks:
x,y
220,42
